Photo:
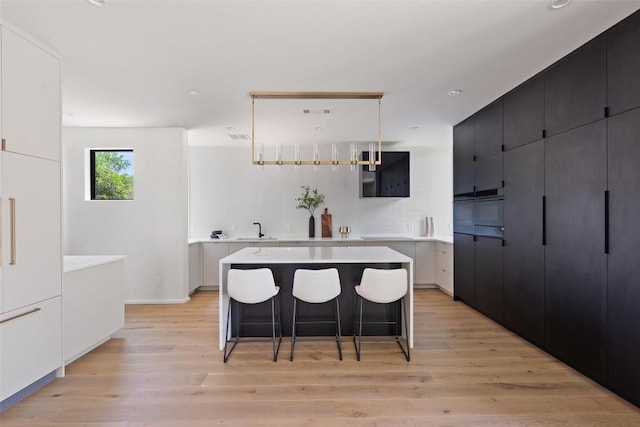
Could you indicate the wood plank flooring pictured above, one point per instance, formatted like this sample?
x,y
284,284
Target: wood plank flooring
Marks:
x,y
164,369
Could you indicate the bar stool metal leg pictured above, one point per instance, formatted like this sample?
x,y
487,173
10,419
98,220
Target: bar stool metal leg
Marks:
x,y
338,329
293,328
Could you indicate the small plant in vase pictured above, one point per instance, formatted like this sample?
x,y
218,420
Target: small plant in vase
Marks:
x,y
310,200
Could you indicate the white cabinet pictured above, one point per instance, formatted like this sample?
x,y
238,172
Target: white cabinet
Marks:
x,y
30,224
30,98
30,345
424,263
30,212
444,266
212,253
195,266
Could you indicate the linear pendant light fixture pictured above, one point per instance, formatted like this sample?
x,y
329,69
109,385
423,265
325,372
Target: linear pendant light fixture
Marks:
x,y
257,158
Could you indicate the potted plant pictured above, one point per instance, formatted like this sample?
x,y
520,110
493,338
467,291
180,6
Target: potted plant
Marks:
x,y
310,200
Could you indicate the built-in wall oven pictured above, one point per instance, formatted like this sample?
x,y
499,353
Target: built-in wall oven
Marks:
x,y
488,217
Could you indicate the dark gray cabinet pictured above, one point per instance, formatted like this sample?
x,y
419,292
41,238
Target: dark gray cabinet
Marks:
x,y
488,130
463,178
488,277
623,65
624,270
575,261
575,88
488,173
524,113
463,268
463,141
524,250
463,157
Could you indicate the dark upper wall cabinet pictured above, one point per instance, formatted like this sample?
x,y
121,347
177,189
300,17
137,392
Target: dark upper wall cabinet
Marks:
x,y
623,65
624,270
488,130
575,261
488,173
524,113
463,178
463,141
575,88
524,250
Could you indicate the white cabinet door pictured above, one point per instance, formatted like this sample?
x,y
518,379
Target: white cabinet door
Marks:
x,y
30,345
195,266
425,263
30,98
212,253
31,250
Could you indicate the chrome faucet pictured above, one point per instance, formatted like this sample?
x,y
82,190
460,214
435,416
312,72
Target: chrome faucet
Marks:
x,y
260,235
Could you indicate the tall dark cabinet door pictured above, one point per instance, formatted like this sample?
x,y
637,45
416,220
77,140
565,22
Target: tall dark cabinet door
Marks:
x,y
623,65
488,256
575,88
463,149
488,147
488,130
575,260
463,141
624,269
524,113
523,250
464,286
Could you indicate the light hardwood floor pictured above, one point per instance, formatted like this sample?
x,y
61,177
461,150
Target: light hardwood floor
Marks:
x,y
164,369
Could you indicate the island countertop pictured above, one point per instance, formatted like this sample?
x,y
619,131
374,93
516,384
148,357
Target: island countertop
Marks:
x,y
312,255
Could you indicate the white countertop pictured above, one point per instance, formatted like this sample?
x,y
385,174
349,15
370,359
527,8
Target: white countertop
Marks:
x,y
78,262
312,255
381,238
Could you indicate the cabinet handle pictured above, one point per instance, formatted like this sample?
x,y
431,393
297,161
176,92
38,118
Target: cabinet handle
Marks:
x,y
4,144
544,220
606,222
20,315
12,211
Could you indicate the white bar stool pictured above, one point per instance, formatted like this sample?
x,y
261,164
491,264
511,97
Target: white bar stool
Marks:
x,y
383,287
251,287
316,287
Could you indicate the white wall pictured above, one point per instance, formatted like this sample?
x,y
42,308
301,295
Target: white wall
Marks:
x,y
226,192
150,230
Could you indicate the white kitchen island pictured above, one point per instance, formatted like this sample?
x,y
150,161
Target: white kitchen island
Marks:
x,y
283,261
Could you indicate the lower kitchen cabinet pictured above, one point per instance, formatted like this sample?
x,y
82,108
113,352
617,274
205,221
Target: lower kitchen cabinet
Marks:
x,y
212,253
424,263
195,266
488,277
623,298
575,260
30,344
444,266
464,268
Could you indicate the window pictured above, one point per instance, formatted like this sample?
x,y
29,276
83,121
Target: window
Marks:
x,y
111,174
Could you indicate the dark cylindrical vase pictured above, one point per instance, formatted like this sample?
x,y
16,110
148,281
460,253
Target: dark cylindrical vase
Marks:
x,y
312,226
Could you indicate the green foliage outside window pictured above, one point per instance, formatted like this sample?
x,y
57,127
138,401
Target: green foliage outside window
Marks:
x,y
113,176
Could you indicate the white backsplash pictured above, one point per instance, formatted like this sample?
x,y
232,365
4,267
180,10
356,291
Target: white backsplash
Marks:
x,y
228,193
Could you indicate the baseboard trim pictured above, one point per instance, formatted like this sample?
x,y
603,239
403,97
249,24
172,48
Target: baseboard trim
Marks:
x,y
157,301
27,391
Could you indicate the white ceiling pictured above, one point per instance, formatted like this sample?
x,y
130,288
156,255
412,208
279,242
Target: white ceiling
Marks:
x,y
132,62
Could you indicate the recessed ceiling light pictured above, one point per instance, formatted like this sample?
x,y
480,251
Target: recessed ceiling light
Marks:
x,y
455,92
318,128
97,2
413,128
194,92
558,4
230,128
